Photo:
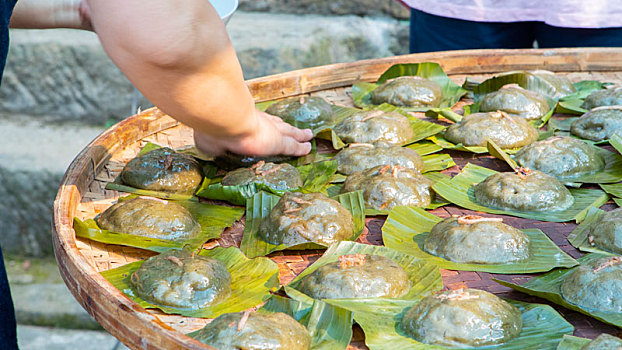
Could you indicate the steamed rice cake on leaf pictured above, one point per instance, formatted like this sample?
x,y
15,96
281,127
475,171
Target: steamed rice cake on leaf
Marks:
x,y
363,156
408,91
515,100
180,279
299,218
605,97
390,128
303,112
150,217
507,131
606,233
252,330
595,286
525,190
281,177
604,342
598,124
163,169
477,240
386,186
462,318
357,276
561,156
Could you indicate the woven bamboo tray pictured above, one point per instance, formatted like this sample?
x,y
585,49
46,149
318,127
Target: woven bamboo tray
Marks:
x,y
82,193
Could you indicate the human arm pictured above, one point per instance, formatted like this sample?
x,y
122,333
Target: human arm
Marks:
x,y
178,54
43,14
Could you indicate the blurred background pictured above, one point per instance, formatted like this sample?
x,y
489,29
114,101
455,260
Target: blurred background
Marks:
x,y
60,90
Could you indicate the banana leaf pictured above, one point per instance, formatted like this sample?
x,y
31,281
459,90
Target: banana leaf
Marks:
x,y
330,327
525,80
425,147
579,236
442,142
406,228
459,190
611,173
499,153
252,280
613,189
616,141
618,201
361,92
425,277
561,124
421,128
542,329
447,113
570,342
212,218
315,177
259,206
548,286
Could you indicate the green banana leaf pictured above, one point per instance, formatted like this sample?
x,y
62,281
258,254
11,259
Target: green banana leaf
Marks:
x,y
579,236
330,327
406,228
616,141
525,80
425,147
212,218
618,201
542,329
252,280
611,173
259,206
442,142
425,277
570,342
447,113
421,128
561,124
613,189
361,92
499,153
459,190
315,177
548,286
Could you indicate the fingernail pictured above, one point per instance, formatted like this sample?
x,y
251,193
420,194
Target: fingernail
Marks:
x,y
308,133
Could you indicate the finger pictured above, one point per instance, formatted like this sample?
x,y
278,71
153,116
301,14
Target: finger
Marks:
x,y
300,135
291,147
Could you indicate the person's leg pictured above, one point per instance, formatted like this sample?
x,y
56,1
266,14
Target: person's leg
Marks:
x,y
8,334
550,36
435,33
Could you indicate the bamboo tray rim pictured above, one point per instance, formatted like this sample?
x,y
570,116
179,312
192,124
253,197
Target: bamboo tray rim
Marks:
x,y
139,328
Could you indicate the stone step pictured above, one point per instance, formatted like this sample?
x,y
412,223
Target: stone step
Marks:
x,y
64,75
33,158
43,338
50,305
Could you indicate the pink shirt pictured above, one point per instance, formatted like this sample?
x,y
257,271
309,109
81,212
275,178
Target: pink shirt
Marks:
x,y
559,13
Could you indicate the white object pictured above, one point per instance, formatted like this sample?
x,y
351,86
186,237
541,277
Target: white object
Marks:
x,y
559,13
225,8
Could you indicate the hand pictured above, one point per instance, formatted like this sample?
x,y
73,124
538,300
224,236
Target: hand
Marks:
x,y
271,136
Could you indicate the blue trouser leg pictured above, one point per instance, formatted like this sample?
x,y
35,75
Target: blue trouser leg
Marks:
x,y
8,334
435,33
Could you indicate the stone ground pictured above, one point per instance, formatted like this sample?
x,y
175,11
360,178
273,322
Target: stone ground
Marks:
x,y
48,316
